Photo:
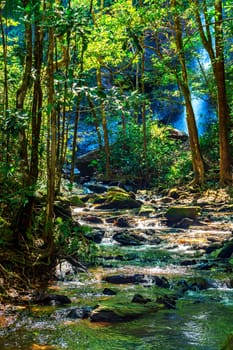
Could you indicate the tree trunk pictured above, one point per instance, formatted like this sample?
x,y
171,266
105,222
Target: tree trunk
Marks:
x,y
218,66
20,99
104,125
197,160
36,103
5,87
223,109
51,144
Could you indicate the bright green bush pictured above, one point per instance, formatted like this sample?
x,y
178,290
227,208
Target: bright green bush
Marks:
x,y
163,163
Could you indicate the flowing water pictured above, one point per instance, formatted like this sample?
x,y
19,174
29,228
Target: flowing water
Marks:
x,y
201,320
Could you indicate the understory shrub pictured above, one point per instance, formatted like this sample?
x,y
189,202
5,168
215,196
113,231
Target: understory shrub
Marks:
x,y
165,161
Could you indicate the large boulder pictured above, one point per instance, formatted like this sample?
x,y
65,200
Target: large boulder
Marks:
x,y
87,162
117,198
177,213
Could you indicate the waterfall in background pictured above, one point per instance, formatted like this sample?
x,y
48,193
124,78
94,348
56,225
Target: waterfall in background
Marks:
x,y
204,113
203,110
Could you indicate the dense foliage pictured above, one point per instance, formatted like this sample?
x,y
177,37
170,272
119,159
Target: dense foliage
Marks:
x,y
107,63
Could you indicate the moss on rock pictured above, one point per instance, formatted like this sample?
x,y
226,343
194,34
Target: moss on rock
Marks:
x,y
177,213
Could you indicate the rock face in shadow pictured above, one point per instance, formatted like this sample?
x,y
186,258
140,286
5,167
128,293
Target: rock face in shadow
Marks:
x,y
125,279
52,299
127,238
227,251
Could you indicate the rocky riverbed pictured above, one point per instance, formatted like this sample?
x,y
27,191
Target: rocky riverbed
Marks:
x,y
162,277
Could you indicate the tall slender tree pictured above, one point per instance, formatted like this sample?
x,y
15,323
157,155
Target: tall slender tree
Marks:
x,y
213,41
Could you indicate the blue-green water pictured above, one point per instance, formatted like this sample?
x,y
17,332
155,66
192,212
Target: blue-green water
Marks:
x,y
202,320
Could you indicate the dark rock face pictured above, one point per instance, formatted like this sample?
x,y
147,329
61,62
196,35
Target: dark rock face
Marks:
x,y
169,301
52,299
96,235
108,291
127,238
93,219
105,316
188,262
227,251
122,222
161,282
79,313
138,298
125,279
211,248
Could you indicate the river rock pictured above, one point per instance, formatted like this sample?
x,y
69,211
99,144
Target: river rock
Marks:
x,y
117,198
176,213
122,312
52,299
109,291
125,279
96,235
227,251
138,298
93,219
199,283
169,301
161,282
79,313
122,222
146,210
127,238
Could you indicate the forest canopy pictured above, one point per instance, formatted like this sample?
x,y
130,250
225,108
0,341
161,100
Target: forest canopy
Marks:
x,y
124,68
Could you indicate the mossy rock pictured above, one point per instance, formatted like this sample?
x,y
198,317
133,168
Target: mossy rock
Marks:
x,y
76,201
117,198
128,238
176,213
146,210
122,312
